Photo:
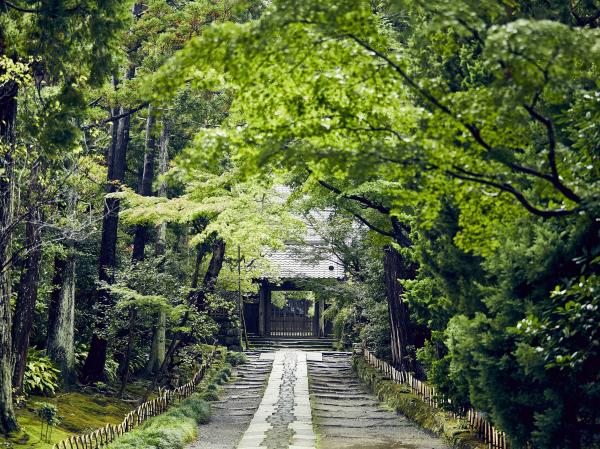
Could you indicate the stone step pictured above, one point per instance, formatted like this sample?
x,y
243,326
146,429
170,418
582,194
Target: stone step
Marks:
x,y
347,416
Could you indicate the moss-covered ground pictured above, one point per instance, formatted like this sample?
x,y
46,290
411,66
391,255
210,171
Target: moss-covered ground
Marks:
x,y
84,411
178,426
79,412
399,398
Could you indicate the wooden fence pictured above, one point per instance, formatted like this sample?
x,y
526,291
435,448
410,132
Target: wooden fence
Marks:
x,y
107,434
476,421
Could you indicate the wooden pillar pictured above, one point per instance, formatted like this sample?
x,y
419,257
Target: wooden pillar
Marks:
x,y
321,304
267,310
261,310
316,319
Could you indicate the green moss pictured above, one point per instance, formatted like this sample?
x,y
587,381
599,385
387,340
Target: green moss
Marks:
x,y
171,430
79,413
179,425
85,412
399,398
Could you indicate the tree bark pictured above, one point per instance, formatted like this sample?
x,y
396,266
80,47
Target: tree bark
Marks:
x,y
93,369
127,358
396,268
61,316
212,273
157,350
141,231
28,285
8,113
163,167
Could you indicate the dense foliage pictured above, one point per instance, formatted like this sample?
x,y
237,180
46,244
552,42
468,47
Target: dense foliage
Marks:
x,y
455,144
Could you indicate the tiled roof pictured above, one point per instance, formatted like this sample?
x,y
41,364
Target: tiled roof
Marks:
x,y
310,260
295,263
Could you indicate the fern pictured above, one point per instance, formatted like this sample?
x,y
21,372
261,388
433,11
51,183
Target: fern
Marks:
x,y
41,376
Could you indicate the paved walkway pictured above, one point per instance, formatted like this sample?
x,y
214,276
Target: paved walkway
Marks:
x,y
343,414
283,419
232,414
347,416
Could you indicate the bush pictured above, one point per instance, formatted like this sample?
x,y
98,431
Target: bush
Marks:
x,y
40,374
236,358
171,430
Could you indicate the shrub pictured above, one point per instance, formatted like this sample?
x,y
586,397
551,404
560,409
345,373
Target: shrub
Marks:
x,y
40,374
236,358
171,430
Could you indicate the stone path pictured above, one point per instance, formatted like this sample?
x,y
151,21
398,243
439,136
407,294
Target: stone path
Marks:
x,y
343,414
232,414
348,417
283,419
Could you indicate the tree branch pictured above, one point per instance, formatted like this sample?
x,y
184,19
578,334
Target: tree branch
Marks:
x,y
114,118
361,199
472,128
425,93
19,8
371,226
505,187
550,132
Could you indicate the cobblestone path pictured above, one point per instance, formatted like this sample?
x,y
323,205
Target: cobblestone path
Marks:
x,y
283,419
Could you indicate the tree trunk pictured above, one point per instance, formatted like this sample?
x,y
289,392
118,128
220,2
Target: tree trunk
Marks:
x,y
28,286
141,231
61,316
93,369
212,273
396,268
163,167
176,340
8,113
157,350
127,358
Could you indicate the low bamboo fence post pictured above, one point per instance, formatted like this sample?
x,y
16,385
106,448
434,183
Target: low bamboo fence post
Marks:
x,y
475,420
107,434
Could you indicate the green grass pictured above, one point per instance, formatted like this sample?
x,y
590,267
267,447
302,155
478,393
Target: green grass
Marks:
x,y
171,430
398,397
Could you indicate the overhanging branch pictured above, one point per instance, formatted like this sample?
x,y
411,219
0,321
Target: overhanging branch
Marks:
x,y
361,199
505,187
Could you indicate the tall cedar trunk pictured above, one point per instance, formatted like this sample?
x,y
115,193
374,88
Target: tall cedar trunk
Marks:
x,y
141,232
140,238
60,340
396,268
157,350
8,113
61,316
28,285
93,369
212,273
127,358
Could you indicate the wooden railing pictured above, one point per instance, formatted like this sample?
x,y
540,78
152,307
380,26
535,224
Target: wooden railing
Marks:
x,y
476,421
107,434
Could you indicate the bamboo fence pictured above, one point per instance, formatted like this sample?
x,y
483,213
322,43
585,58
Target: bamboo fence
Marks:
x,y
107,434
476,421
